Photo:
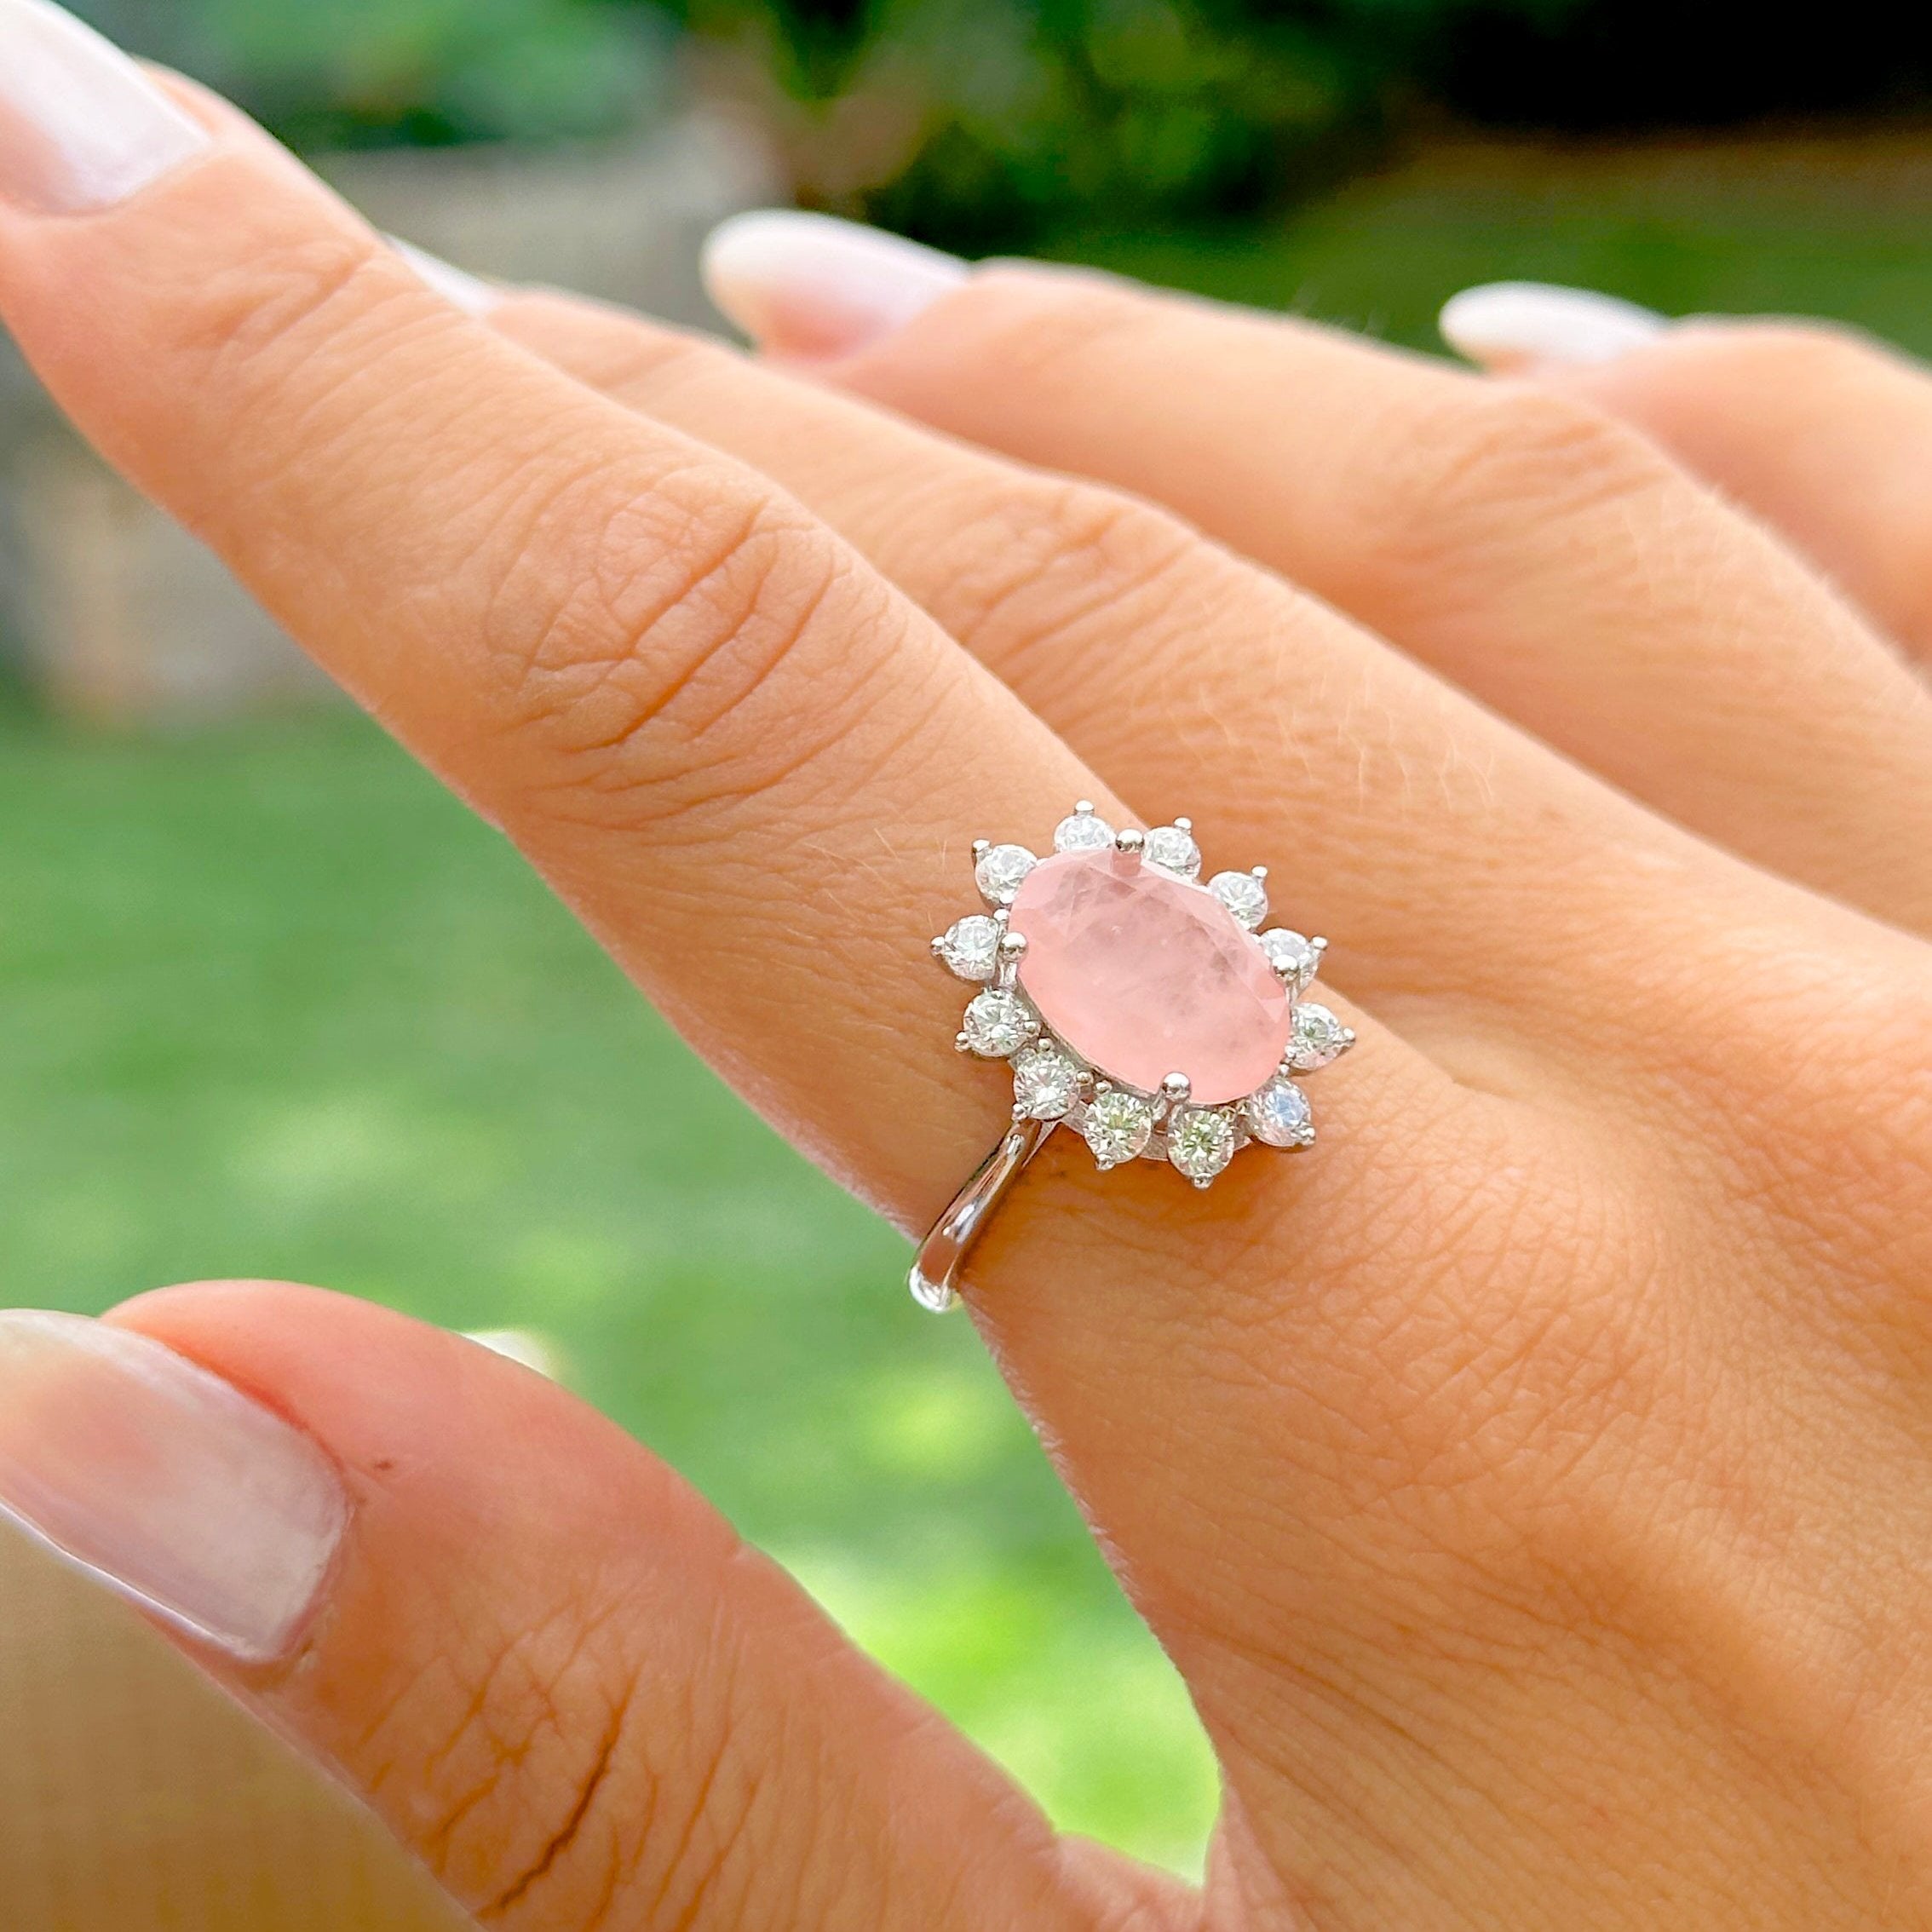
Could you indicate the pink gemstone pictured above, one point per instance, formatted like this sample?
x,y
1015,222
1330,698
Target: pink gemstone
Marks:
x,y
1143,975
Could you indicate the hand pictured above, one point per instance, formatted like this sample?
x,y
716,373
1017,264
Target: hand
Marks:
x,y
1533,1481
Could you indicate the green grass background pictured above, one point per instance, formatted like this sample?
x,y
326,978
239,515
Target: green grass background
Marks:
x,y
271,1004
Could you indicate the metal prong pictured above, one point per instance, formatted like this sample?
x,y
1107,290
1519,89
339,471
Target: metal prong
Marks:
x,y
1129,844
981,847
1260,872
1185,825
1318,945
1083,805
1203,1183
1012,946
961,1044
939,945
1177,1087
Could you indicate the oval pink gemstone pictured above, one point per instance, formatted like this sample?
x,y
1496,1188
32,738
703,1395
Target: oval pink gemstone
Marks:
x,y
1143,975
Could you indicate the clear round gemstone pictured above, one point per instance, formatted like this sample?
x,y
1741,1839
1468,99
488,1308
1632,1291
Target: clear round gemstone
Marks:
x,y
1278,1114
998,1024
1172,849
1316,1038
1243,894
1046,1083
1200,1142
1081,832
970,947
1290,955
1001,871
1117,1126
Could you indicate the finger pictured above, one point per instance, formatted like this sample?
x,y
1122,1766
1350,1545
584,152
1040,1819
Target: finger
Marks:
x,y
550,1668
1520,541
1820,431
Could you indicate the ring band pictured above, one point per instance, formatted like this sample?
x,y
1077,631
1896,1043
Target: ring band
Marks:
x,y
1145,1011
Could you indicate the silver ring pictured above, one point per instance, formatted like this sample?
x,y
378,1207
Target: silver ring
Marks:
x,y
1150,1014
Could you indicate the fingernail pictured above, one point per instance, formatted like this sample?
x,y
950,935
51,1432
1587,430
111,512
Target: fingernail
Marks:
x,y
164,1481
455,285
81,128
1512,326
812,287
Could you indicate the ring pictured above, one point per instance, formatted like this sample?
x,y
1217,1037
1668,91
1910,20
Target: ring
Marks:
x,y
1144,1010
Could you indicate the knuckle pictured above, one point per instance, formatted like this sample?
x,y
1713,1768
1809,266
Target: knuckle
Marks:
x,y
1472,465
246,333
1046,561
643,636
568,1779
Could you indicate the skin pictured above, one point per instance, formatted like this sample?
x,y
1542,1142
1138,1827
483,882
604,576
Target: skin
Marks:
x,y
1534,1481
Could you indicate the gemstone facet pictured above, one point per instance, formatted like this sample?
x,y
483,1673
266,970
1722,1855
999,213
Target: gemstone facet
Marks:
x,y
1318,1038
1243,894
1000,870
1143,975
998,1024
1117,1126
1083,831
1278,1116
1046,1083
970,947
1200,1143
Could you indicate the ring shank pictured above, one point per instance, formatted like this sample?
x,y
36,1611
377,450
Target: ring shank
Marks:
x,y
935,1269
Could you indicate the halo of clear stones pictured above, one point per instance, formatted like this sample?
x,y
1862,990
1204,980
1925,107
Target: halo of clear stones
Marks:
x,y
1290,955
1001,871
970,947
1200,1142
1046,1082
1117,1126
1120,1121
1243,894
1318,1038
998,1023
1083,831
1172,849
1278,1115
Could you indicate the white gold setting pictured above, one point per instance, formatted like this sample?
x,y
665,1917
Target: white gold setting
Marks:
x,y
1054,1085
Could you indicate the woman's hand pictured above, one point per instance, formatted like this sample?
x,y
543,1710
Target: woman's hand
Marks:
x,y
1533,1482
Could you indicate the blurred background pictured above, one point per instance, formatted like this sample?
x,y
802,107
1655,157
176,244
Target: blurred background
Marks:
x,y
271,1004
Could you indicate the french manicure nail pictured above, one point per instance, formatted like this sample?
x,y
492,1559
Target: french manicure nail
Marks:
x,y
164,1481
811,286
1513,326
457,286
81,128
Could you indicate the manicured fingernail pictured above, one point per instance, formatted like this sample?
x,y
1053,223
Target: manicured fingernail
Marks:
x,y
1511,326
455,285
164,1481
813,287
81,128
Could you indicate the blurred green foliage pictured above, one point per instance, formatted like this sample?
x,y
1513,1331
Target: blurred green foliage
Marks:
x,y
991,123
354,73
